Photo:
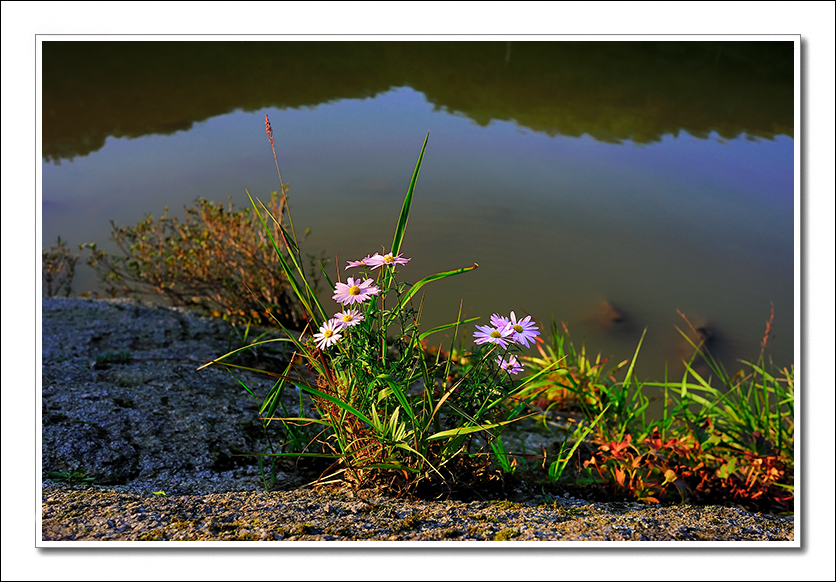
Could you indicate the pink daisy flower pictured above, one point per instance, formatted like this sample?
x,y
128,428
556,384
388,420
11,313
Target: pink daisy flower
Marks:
x,y
378,260
511,365
354,291
524,331
487,334
347,318
328,335
499,322
362,263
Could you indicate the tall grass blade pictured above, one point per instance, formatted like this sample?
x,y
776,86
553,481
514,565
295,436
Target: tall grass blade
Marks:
x,y
633,361
445,326
290,243
218,360
343,405
407,203
400,396
417,286
454,432
556,469
291,278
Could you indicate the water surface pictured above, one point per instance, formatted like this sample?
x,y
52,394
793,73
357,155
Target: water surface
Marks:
x,y
654,177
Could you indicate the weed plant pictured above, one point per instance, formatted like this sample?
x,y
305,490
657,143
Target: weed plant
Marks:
x,y
58,269
217,260
720,438
387,413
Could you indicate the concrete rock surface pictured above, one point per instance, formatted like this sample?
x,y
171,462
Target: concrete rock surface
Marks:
x,y
124,404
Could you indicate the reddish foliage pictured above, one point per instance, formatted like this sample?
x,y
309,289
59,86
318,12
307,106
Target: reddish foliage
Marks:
x,y
655,470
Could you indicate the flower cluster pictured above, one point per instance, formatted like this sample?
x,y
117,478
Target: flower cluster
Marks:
x,y
504,331
522,331
350,292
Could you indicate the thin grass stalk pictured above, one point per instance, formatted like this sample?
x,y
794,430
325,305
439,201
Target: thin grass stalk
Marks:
x,y
400,228
285,267
309,293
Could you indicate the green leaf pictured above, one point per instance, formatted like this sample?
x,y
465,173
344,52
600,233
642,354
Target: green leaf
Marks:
x,y
726,470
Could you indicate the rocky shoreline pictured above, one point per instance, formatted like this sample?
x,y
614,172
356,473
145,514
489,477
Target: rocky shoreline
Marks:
x,y
107,514
123,404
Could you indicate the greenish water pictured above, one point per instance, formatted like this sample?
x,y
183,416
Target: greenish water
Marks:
x,y
653,176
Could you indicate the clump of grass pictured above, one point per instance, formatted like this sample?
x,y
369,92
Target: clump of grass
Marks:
x,y
217,259
721,438
70,477
58,269
388,413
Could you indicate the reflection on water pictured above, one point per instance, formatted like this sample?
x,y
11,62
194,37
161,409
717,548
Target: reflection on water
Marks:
x,y
612,91
604,184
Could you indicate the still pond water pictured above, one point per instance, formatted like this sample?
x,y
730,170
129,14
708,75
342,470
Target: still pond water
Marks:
x,y
606,185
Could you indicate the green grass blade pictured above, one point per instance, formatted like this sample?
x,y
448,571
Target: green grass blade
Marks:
x,y
294,250
501,455
302,420
417,286
242,384
400,228
291,278
401,397
542,372
325,274
445,326
344,405
407,203
393,466
454,432
556,469
633,361
218,360
294,455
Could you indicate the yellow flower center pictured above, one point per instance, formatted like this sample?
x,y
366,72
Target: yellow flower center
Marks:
x,y
327,333
518,328
347,317
389,259
495,333
354,290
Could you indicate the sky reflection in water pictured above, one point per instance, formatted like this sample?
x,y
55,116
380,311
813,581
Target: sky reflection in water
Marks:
x,y
557,224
